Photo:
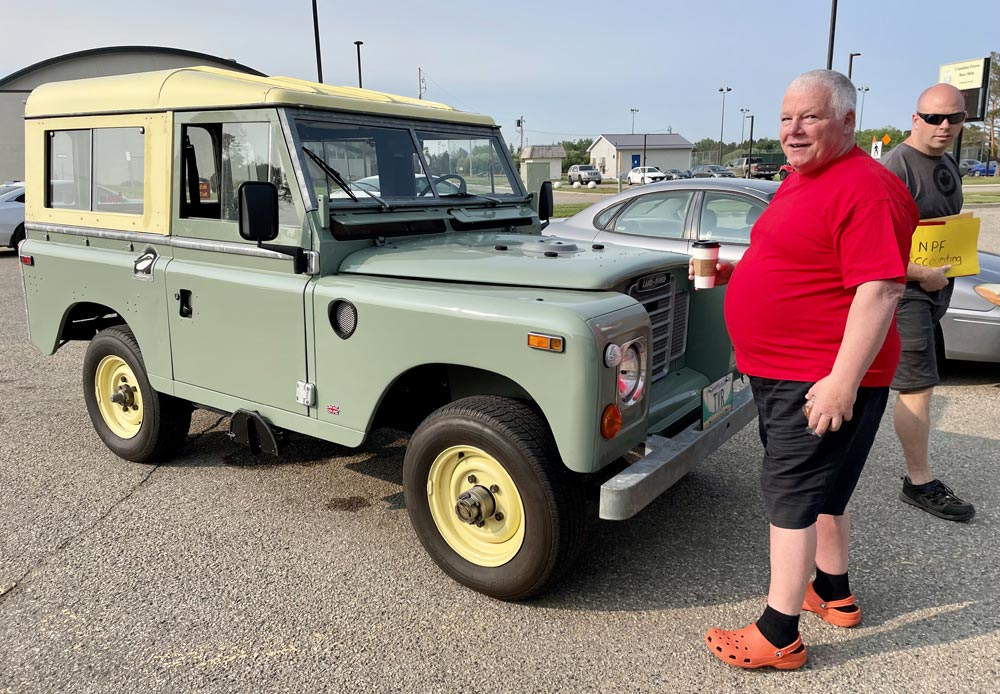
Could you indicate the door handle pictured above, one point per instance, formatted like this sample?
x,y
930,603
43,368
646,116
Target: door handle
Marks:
x,y
184,296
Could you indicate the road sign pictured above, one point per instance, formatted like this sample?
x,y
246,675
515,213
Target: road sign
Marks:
x,y
886,139
877,149
972,78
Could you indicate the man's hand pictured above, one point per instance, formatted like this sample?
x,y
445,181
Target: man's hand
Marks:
x,y
723,271
931,278
830,403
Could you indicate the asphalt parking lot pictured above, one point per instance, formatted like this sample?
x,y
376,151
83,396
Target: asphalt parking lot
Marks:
x,y
221,572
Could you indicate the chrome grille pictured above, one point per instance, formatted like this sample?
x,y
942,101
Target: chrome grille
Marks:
x,y
668,311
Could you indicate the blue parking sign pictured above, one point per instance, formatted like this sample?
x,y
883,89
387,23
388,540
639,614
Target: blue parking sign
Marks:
x,y
636,160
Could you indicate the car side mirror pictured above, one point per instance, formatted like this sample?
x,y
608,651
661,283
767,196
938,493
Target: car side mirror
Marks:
x,y
545,203
258,201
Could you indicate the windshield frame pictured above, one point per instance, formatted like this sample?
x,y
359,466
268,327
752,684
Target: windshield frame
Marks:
x,y
295,116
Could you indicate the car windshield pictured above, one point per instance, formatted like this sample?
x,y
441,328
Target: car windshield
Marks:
x,y
588,168
397,163
4,189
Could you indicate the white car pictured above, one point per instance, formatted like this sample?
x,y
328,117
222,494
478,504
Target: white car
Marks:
x,y
645,174
11,214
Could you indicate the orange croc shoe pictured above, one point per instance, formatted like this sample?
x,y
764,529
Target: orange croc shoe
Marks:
x,y
747,648
828,610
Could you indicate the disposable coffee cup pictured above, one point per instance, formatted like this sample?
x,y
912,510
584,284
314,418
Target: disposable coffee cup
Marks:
x,y
706,256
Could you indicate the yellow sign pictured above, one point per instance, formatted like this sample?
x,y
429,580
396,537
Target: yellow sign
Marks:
x,y
886,139
951,241
964,75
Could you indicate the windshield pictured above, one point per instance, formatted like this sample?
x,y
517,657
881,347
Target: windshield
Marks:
x,y
399,165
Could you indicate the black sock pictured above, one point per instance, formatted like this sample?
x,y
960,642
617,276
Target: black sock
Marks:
x,y
778,628
830,587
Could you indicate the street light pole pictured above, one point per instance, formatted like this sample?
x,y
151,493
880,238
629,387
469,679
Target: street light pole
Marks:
x,y
359,44
743,122
850,63
634,111
750,150
833,31
319,59
861,115
722,128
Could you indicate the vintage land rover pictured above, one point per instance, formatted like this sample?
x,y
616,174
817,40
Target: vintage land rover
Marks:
x,y
327,261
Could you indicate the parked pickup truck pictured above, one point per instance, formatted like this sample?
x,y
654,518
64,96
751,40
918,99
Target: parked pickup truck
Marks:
x,y
328,261
753,167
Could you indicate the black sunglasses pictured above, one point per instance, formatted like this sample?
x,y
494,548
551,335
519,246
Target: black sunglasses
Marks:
x,y
939,118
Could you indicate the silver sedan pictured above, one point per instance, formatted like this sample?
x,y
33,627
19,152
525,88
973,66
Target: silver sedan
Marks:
x,y
671,215
11,214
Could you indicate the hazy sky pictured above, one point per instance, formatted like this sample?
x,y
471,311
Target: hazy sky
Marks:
x,y
571,69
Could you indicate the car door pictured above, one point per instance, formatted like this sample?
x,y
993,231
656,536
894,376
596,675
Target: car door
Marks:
x,y
237,313
654,220
728,218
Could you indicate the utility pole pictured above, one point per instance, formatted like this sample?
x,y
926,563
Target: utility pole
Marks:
x,y
421,83
520,127
833,32
319,58
359,44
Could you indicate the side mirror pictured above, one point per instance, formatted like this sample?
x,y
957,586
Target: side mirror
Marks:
x,y
545,203
258,211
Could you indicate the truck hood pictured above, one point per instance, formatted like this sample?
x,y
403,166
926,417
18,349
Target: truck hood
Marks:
x,y
510,259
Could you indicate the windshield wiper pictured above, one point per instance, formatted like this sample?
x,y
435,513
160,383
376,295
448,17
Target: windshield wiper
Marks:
x,y
464,194
335,176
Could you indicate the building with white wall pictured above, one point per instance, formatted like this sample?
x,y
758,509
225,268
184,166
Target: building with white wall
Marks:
x,y
615,155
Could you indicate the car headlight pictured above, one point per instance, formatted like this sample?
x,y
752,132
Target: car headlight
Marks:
x,y
632,373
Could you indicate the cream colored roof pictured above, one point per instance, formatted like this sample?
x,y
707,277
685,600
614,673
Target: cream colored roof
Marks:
x,y
207,87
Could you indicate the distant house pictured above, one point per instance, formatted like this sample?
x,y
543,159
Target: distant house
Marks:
x,y
617,154
547,154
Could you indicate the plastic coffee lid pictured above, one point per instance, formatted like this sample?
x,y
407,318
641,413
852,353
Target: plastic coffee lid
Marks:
x,y
706,244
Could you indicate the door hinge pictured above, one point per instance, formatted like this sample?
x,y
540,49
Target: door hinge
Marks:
x,y
305,393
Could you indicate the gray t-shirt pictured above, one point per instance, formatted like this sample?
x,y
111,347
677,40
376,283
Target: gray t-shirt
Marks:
x,y
936,186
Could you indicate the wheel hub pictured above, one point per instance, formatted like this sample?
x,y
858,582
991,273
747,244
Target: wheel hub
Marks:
x,y
475,505
124,396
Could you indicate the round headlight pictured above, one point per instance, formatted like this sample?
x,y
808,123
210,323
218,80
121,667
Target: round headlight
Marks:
x,y
630,374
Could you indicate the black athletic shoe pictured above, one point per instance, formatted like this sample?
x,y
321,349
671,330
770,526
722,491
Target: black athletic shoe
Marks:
x,y
937,499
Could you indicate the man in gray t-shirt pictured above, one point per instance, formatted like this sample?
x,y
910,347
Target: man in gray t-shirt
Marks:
x,y
933,179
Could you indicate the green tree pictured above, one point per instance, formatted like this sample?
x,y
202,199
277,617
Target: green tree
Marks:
x,y
864,137
576,152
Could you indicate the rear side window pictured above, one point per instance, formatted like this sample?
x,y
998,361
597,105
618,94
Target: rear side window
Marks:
x,y
97,170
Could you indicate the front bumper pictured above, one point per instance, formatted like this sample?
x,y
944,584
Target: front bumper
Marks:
x,y
666,461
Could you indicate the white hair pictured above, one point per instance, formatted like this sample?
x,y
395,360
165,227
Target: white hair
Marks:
x,y
843,95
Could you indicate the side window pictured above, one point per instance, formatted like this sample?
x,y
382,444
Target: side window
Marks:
x,y
218,158
98,170
601,220
728,218
69,170
657,214
119,170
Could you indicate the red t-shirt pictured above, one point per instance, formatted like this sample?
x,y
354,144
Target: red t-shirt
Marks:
x,y
822,235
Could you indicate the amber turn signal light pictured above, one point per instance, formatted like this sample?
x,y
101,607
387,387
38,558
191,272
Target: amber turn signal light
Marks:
x,y
549,343
611,422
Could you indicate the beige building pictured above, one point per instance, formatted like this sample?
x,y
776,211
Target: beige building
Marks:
x,y
616,155
552,155
97,62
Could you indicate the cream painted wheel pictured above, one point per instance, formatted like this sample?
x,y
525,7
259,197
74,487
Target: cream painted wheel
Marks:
x,y
490,499
133,420
462,481
118,397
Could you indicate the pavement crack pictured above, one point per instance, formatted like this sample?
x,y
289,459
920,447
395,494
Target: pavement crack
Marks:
x,y
9,590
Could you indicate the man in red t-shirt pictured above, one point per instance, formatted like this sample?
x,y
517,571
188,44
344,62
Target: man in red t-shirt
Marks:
x,y
810,309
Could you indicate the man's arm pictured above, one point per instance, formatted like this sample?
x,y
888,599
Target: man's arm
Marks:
x,y
931,278
832,397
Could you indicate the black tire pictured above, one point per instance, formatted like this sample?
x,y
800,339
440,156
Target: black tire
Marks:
x,y
551,497
17,236
163,420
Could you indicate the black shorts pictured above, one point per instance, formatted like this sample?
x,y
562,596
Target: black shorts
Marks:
x,y
804,475
917,319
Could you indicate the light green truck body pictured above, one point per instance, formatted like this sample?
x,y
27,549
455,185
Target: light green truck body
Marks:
x,y
361,308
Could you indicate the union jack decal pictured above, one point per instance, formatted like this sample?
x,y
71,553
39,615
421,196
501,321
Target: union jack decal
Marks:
x,y
333,409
